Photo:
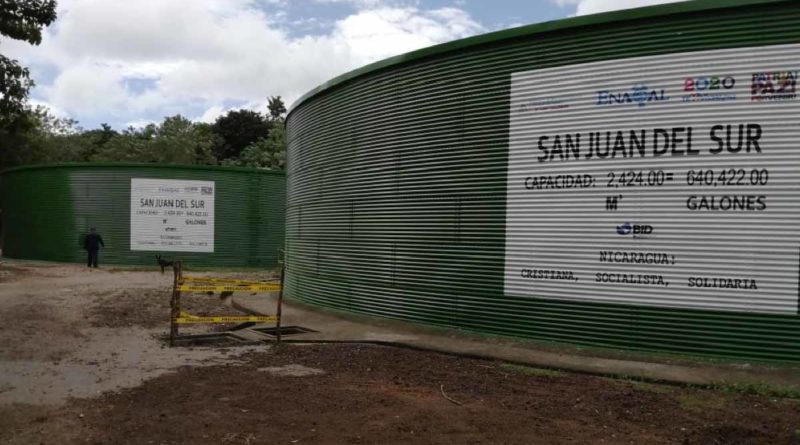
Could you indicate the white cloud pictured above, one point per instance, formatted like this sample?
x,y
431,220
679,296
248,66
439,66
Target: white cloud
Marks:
x,y
585,7
364,3
141,123
378,33
211,114
206,54
88,88
52,109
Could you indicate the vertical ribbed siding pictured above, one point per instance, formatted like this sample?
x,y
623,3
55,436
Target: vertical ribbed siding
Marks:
x,y
46,209
397,191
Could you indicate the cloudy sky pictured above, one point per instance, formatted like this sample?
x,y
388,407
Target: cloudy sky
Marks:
x,y
134,62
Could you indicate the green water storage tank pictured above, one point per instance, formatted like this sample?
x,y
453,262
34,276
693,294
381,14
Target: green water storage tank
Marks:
x,y
203,215
625,180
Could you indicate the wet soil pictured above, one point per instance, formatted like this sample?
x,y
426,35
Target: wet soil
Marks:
x,y
372,394
81,362
150,307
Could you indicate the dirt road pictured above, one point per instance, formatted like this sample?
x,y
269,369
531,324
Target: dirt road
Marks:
x,y
81,361
69,331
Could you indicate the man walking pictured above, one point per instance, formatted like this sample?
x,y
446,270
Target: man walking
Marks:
x,y
92,244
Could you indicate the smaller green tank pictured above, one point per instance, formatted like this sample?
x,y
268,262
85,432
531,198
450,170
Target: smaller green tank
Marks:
x,y
203,215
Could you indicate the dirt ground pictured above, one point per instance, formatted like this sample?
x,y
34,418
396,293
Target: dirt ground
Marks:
x,y
68,331
82,362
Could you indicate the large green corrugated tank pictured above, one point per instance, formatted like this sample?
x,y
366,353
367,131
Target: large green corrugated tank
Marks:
x,y
47,209
408,195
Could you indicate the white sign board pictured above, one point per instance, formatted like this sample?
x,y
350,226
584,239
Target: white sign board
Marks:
x,y
669,180
171,215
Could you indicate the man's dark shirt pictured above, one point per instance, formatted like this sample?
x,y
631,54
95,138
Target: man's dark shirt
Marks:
x,y
93,241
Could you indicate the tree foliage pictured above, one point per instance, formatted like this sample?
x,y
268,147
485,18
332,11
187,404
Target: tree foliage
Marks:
x,y
177,140
269,152
238,129
276,108
20,20
24,19
35,136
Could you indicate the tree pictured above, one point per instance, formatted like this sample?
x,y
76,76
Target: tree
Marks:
x,y
175,141
238,129
95,141
276,108
20,141
268,152
20,20
35,136
204,142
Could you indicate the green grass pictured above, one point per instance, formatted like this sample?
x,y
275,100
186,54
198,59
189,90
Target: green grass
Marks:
x,y
535,372
758,389
656,388
115,269
702,401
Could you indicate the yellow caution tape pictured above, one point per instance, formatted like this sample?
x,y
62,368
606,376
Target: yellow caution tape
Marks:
x,y
186,318
263,287
186,279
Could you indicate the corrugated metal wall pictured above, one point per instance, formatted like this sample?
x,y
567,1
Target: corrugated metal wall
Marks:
x,y
397,185
46,209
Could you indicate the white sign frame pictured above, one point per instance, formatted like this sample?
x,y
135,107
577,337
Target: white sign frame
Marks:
x,y
172,215
574,233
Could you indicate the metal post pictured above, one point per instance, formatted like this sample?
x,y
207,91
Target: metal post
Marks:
x,y
175,302
280,303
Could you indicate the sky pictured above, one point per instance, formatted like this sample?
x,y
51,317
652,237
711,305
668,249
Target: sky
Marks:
x,y
130,63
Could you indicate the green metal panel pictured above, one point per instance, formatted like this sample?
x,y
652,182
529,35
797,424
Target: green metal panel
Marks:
x,y
397,185
47,208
